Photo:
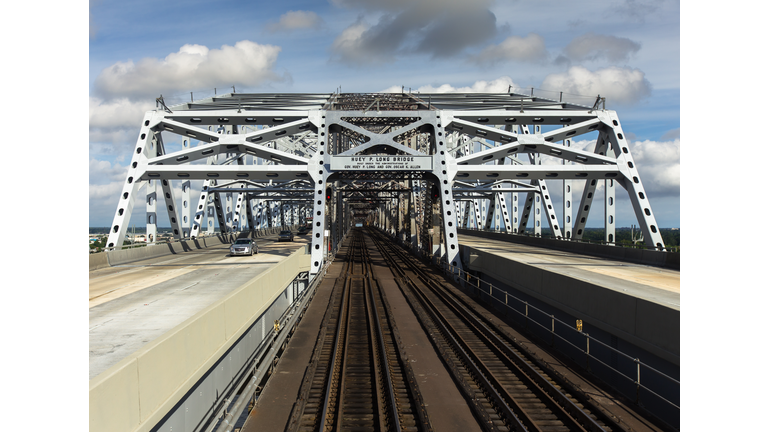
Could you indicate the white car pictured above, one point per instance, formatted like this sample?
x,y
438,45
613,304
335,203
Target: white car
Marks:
x,y
243,246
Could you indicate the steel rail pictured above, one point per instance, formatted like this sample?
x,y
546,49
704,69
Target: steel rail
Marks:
x,y
476,371
571,414
547,392
479,369
505,345
383,381
333,368
376,324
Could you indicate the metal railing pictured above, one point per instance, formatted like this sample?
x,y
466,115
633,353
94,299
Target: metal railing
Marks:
x,y
673,249
553,324
172,240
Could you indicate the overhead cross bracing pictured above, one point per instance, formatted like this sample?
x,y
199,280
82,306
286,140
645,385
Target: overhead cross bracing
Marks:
x,y
425,164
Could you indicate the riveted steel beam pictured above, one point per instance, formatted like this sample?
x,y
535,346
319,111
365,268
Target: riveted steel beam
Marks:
x,y
303,144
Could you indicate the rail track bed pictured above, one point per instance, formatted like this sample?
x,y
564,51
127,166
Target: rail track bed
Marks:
x,y
360,377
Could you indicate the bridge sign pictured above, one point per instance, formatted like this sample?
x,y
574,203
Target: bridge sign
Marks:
x,y
382,163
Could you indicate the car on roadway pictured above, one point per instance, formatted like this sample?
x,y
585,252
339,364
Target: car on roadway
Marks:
x,y
243,246
285,235
303,230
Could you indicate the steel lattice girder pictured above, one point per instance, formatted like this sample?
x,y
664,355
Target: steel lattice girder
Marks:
x,y
404,124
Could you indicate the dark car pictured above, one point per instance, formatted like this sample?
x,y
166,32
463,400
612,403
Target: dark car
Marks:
x,y
243,246
303,231
285,235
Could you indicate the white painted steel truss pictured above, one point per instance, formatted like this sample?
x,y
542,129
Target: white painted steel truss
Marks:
x,y
403,162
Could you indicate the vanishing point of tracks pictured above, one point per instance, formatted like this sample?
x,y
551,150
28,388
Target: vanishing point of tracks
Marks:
x,y
360,380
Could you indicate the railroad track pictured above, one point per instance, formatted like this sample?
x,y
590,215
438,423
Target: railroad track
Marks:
x,y
359,378
507,389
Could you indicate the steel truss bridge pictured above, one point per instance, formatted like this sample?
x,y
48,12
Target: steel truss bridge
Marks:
x,y
419,166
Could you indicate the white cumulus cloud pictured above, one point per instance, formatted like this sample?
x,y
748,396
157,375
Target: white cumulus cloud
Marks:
x,y
499,85
116,113
104,172
349,47
592,46
515,48
617,85
296,20
192,67
658,163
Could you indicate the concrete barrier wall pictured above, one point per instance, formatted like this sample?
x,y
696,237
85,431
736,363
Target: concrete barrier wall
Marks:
x,y
97,261
640,256
136,393
648,325
124,256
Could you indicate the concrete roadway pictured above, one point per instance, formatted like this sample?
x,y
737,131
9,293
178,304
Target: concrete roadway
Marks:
x,y
655,284
132,304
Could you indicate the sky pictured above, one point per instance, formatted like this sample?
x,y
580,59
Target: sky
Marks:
x,y
627,51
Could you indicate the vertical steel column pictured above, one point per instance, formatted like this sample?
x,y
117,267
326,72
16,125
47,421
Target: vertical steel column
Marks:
x,y
478,217
459,213
514,218
392,217
610,211
532,199
467,215
513,221
444,167
318,166
527,209
229,208
186,199
200,210
567,199
549,209
219,211
500,200
241,196
152,186
259,213
504,210
337,214
588,194
210,211
236,222
249,214
412,210
491,209
137,167
170,205
151,215
169,194
399,216
536,160
631,181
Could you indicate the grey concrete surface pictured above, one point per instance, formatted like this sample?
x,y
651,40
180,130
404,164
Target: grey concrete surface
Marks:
x,y
640,256
638,303
133,304
101,260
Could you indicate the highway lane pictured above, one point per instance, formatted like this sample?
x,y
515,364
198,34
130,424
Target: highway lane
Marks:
x,y
130,305
655,284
